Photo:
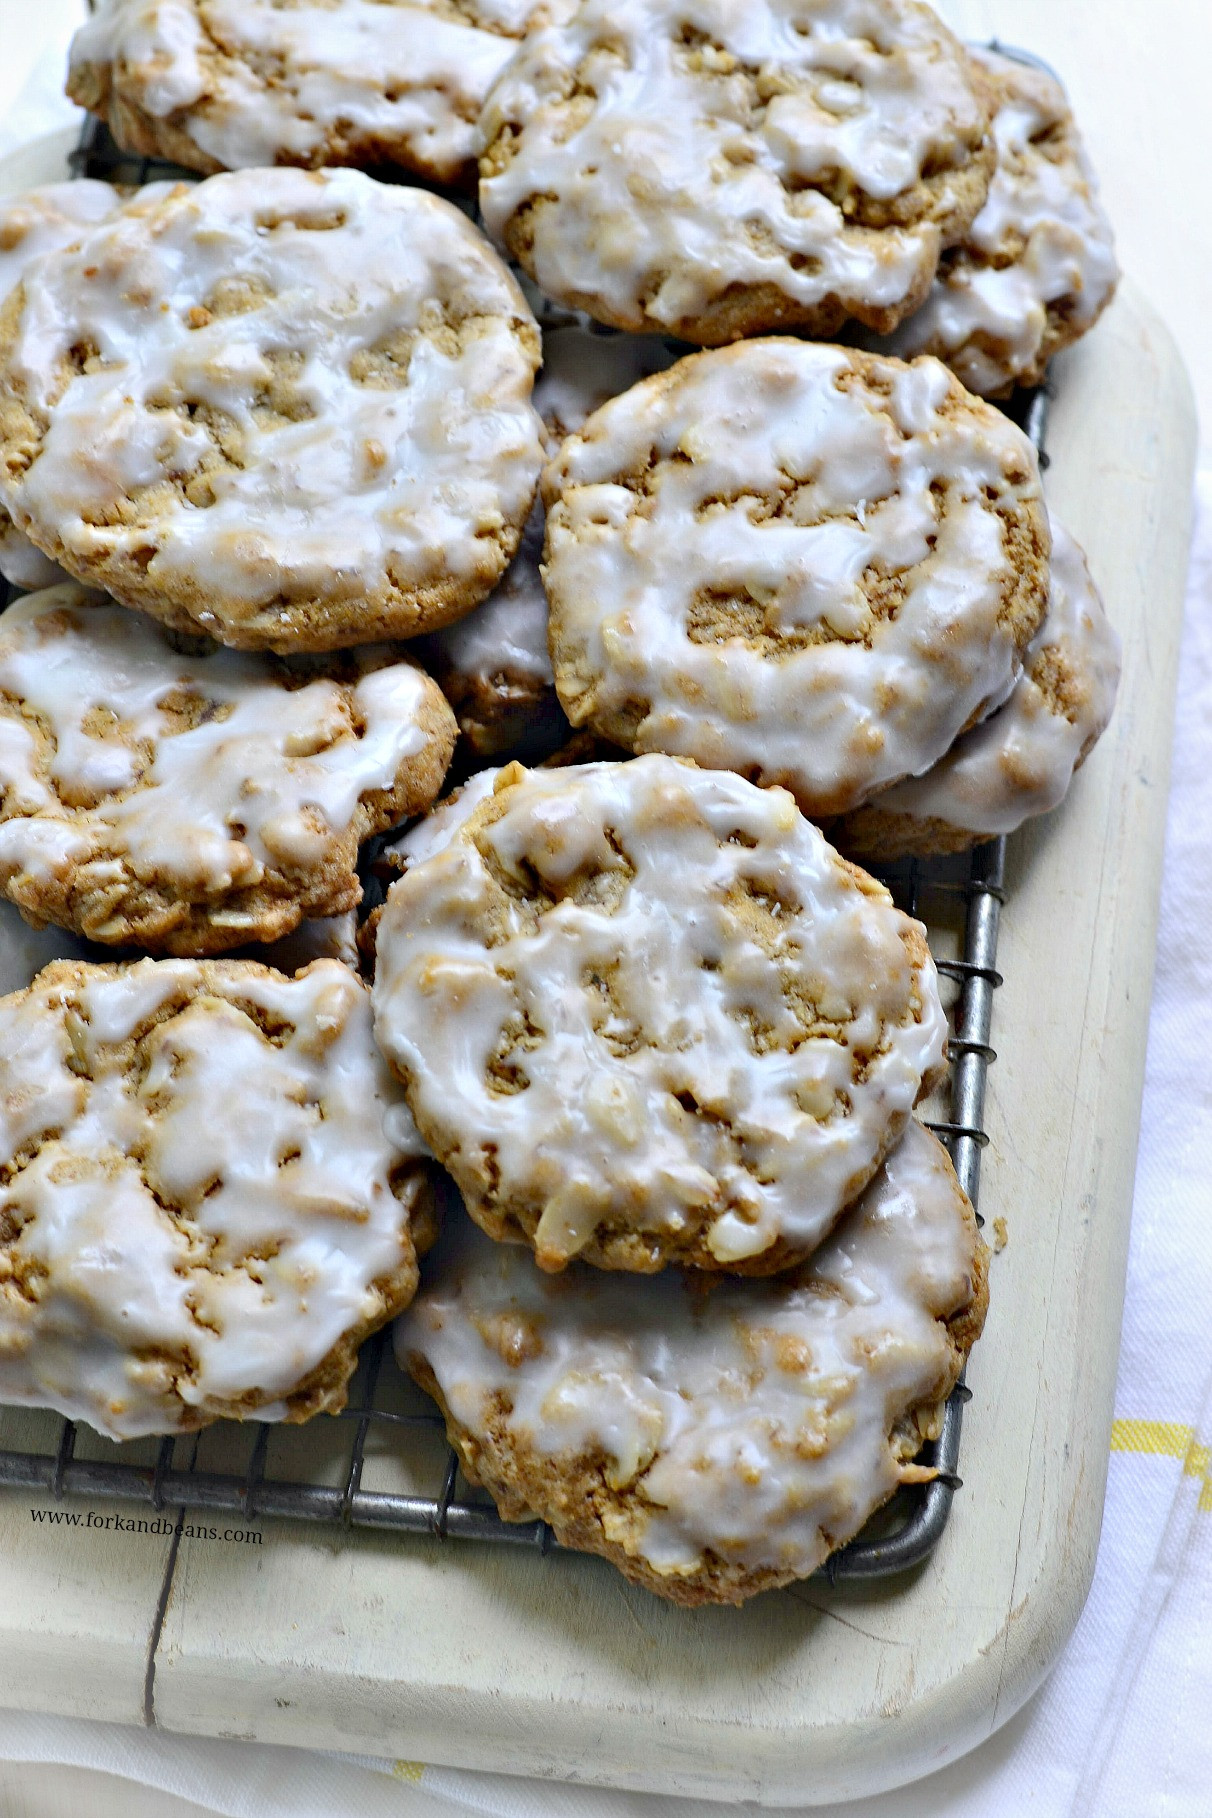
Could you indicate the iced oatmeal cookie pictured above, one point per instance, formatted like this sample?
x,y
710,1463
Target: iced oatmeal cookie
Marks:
x,y
192,801
208,1193
813,566
644,1014
1037,267
34,222
225,84
289,409
711,1441
717,168
1020,761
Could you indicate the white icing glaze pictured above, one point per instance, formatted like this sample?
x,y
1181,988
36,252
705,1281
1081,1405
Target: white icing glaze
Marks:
x,y
1041,240
22,563
38,221
753,1423
35,222
257,82
1020,761
364,485
666,1075
842,699
693,146
273,1156
434,832
204,772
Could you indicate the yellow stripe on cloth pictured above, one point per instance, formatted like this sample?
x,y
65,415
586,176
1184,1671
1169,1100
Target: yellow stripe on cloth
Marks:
x,y
1167,1439
1197,1460
1161,1437
408,1770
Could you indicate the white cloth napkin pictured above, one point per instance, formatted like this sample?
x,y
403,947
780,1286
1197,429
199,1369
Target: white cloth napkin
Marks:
x,y
1123,1728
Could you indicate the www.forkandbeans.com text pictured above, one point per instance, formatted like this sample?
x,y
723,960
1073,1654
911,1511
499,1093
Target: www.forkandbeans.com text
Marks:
x,y
146,1524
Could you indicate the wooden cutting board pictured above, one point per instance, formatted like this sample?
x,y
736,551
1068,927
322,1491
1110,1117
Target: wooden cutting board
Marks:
x,y
492,1658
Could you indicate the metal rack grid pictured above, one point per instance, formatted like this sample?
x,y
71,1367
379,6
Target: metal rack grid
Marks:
x,y
899,1537
907,1530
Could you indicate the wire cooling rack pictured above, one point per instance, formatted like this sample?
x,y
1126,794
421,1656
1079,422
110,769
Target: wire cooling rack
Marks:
x,y
324,1471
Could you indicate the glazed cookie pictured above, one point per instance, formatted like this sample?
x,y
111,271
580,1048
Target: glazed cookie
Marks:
x,y
644,1014
226,84
1037,267
718,168
206,1206
810,565
1020,761
32,223
190,803
289,409
494,665
709,1442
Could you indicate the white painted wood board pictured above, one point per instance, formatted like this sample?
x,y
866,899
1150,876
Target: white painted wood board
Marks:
x,y
79,1604
489,1658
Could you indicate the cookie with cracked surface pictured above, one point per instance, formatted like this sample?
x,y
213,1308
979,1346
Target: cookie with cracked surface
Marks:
x,y
289,409
719,168
228,84
710,1441
189,802
208,1195
644,1014
494,666
1020,761
34,222
814,566
1037,267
